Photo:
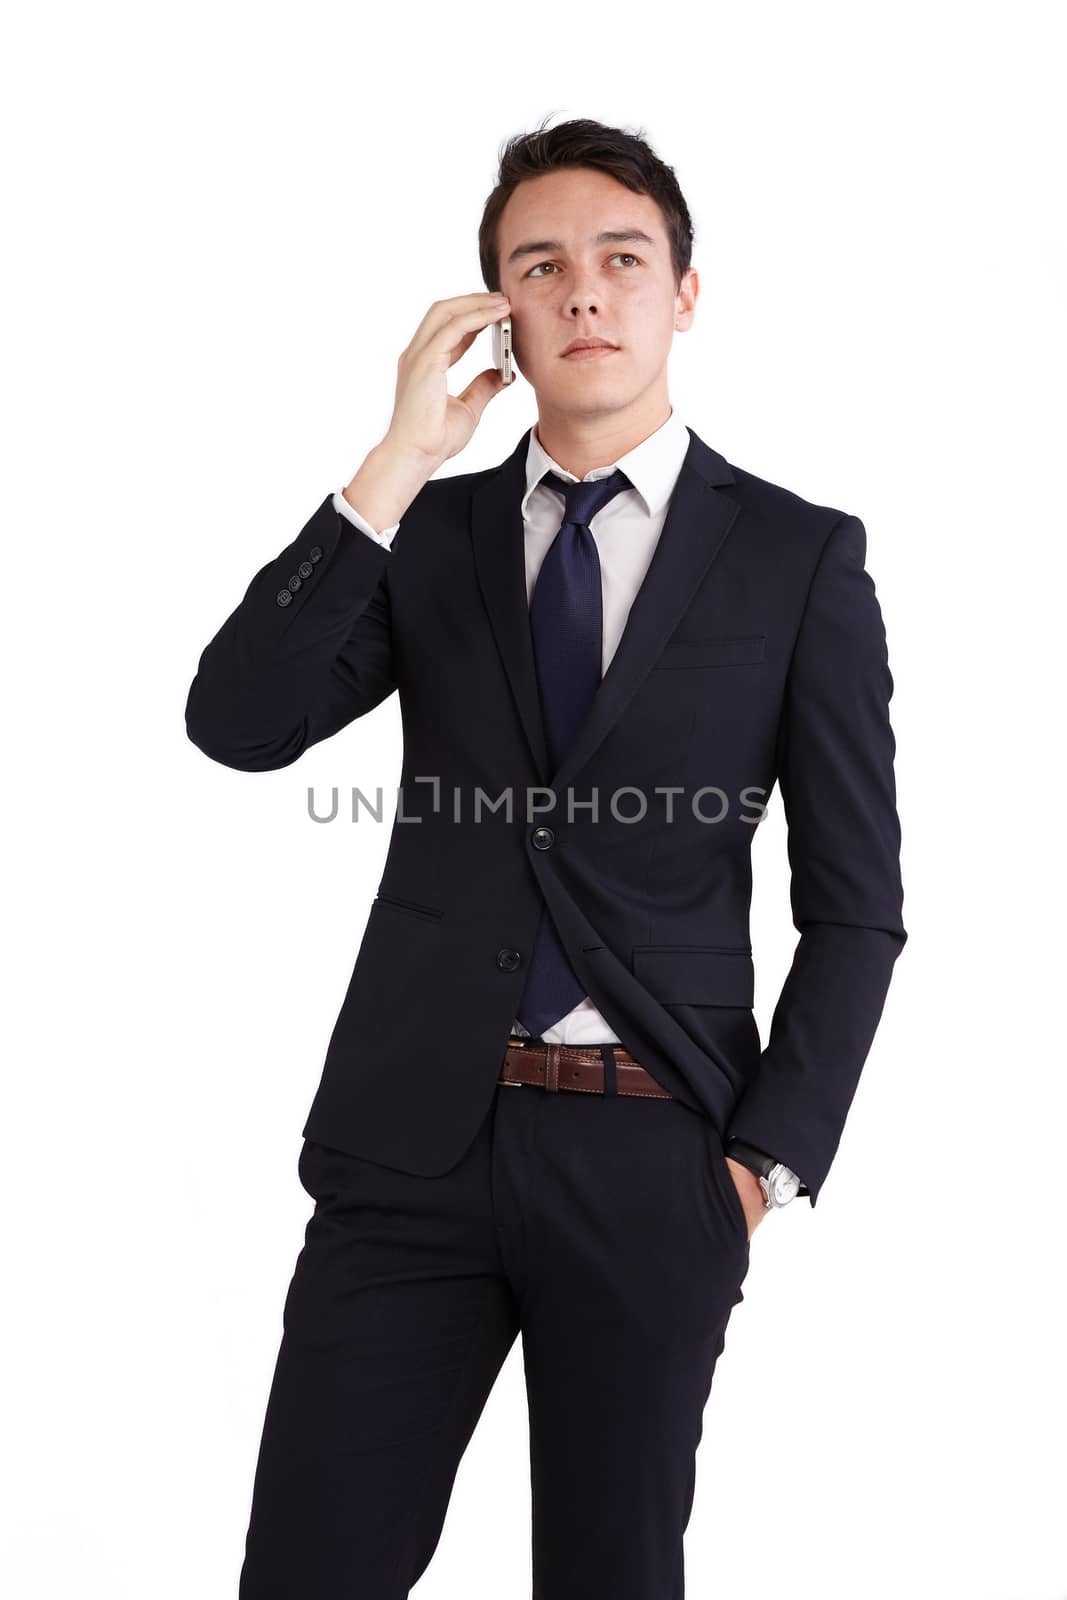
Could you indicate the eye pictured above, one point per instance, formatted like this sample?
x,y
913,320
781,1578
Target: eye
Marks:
x,y
618,256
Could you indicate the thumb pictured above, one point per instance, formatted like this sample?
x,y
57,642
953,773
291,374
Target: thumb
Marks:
x,y
478,393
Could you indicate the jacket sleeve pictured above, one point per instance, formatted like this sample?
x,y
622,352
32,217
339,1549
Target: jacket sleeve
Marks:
x,y
282,674
835,769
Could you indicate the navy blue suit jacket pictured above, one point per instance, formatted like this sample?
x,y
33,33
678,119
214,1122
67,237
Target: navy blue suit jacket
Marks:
x,y
754,652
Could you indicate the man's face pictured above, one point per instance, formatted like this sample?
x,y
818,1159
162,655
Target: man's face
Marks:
x,y
573,286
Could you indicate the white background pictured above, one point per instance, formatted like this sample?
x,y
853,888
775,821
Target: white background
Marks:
x,y
223,224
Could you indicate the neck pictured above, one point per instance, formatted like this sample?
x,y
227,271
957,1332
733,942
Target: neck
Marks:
x,y
580,443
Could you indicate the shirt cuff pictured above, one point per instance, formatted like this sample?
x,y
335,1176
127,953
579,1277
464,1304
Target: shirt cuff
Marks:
x,y
385,537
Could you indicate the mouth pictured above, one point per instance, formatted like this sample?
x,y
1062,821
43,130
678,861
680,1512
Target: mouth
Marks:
x,y
589,352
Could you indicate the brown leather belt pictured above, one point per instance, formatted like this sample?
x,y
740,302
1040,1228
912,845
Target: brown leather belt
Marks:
x,y
577,1067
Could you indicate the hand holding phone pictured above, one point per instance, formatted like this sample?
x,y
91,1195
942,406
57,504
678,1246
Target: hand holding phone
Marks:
x,y
429,424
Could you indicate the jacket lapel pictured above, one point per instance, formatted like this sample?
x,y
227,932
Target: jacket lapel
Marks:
x,y
699,517
500,559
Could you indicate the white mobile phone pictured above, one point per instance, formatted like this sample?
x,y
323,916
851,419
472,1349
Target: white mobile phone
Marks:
x,y
502,349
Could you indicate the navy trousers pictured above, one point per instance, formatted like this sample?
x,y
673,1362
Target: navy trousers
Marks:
x,y
607,1231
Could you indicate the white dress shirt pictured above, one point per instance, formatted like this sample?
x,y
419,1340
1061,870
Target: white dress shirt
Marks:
x,y
626,532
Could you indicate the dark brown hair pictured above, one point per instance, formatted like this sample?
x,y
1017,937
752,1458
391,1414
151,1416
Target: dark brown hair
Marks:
x,y
620,153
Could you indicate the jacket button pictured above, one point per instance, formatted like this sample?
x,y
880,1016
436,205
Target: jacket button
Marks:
x,y
315,552
542,838
508,960
305,569
295,582
283,597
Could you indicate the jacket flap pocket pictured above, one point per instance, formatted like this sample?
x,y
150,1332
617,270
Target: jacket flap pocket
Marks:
x,y
699,975
714,652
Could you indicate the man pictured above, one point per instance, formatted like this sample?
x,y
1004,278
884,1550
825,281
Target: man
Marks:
x,y
544,1108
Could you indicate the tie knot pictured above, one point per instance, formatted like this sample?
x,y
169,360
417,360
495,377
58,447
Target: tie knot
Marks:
x,y
584,500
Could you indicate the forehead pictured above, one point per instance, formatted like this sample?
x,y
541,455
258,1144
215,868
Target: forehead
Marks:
x,y
576,209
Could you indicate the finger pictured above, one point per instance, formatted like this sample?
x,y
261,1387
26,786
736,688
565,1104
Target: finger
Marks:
x,y
439,313
478,393
445,333
463,346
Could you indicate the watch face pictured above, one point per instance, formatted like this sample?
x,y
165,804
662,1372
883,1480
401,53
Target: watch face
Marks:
x,y
785,1185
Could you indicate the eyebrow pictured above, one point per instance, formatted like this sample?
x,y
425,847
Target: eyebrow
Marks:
x,y
536,247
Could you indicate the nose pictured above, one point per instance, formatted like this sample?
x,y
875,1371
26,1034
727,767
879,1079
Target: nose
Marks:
x,y
583,300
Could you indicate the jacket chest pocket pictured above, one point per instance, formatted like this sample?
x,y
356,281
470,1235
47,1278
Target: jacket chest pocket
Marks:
x,y
741,650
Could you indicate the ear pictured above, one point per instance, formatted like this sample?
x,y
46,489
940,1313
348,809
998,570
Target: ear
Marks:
x,y
686,300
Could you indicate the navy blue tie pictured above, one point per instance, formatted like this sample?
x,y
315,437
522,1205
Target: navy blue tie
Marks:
x,y
567,627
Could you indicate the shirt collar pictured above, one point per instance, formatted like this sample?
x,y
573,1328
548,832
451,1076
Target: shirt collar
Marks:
x,y
651,466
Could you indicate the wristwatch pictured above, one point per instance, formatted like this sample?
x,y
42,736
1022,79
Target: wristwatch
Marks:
x,y
779,1183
